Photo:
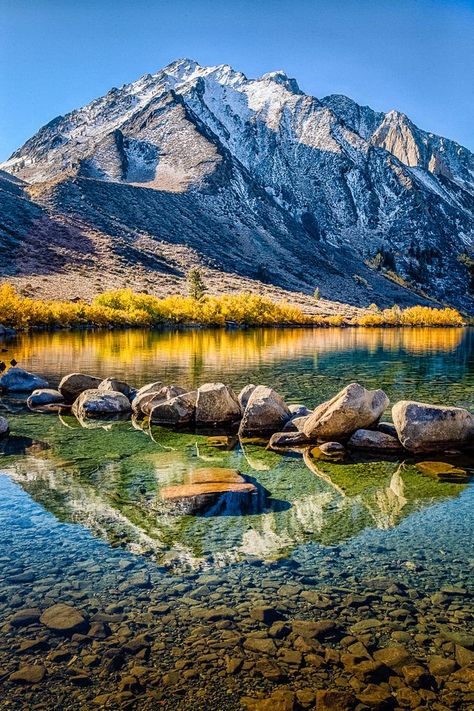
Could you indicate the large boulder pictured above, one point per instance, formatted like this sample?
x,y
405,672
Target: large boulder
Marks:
x,y
168,392
144,394
353,408
266,413
72,385
97,403
374,440
118,386
422,427
179,410
44,396
216,403
17,380
4,427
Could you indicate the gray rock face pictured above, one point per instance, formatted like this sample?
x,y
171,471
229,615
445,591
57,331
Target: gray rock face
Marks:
x,y
144,394
426,428
97,403
179,410
373,440
245,393
304,174
266,412
151,400
351,409
113,385
4,427
216,403
17,380
72,385
44,396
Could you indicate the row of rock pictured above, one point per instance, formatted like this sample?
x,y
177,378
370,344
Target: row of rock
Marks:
x,y
352,416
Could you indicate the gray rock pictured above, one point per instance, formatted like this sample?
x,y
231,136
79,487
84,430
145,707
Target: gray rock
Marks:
x,y
17,380
118,386
351,409
299,410
373,440
44,396
216,403
266,412
144,394
288,439
151,400
4,427
72,385
245,393
422,427
179,410
96,403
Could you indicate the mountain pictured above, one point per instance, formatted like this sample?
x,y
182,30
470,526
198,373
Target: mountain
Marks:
x,y
252,179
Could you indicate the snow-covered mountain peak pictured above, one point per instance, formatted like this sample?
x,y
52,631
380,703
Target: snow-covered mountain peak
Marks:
x,y
280,77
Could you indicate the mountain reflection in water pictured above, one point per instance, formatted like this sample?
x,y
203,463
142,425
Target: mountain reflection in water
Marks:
x,y
109,480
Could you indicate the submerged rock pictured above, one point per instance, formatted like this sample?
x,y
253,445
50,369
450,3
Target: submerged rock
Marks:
x,y
329,451
373,440
4,427
205,475
422,427
44,396
443,470
351,409
287,439
72,385
63,619
179,410
18,380
266,412
191,498
96,403
216,403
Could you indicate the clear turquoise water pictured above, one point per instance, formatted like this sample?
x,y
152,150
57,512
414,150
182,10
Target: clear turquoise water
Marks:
x,y
82,516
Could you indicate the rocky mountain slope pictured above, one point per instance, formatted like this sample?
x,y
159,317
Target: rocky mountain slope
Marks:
x,y
253,180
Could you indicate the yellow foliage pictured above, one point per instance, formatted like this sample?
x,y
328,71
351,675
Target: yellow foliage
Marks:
x,y
411,316
125,308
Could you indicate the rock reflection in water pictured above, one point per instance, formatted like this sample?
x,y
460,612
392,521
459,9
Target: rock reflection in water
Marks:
x,y
111,481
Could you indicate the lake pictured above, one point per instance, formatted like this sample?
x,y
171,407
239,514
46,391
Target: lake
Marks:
x,y
189,612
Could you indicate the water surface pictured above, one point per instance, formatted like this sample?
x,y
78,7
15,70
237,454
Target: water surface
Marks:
x,y
84,521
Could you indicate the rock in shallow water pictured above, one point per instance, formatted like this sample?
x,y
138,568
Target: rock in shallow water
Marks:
x,y
191,498
63,619
72,385
374,440
44,396
179,410
17,380
216,403
422,427
351,409
96,403
266,412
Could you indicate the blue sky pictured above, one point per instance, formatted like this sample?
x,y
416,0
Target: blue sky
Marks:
x,y
413,55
